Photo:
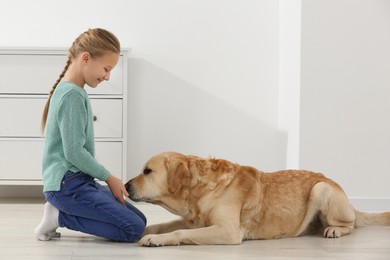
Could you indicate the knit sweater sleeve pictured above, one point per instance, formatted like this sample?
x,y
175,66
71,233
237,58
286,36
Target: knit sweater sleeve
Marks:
x,y
72,120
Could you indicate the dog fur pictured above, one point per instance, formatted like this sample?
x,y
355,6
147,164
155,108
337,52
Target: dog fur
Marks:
x,y
225,203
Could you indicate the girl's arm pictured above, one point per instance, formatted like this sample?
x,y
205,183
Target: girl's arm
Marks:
x,y
72,121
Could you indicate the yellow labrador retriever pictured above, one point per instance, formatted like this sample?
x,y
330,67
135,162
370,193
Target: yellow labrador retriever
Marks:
x,y
225,203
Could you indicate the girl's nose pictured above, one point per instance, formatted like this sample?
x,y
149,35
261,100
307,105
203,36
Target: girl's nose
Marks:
x,y
107,76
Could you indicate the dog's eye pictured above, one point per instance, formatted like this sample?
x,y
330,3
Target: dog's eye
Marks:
x,y
147,171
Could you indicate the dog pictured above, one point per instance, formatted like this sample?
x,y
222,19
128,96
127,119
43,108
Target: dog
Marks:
x,y
225,203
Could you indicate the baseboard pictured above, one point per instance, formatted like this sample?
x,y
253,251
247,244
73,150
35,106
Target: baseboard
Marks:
x,y
370,204
21,191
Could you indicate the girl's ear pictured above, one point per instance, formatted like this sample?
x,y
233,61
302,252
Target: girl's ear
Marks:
x,y
85,56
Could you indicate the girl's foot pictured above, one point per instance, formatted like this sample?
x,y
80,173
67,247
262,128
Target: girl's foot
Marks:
x,y
46,230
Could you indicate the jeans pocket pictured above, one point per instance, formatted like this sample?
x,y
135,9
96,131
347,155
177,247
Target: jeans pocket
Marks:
x,y
68,182
69,176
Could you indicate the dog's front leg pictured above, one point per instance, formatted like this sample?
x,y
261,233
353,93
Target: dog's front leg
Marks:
x,y
165,227
214,235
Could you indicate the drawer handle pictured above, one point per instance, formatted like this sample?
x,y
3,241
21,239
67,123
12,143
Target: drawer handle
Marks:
x,y
94,118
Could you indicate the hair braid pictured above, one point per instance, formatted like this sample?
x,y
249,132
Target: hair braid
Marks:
x,y
46,109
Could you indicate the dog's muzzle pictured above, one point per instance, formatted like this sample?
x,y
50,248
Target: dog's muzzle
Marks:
x,y
133,195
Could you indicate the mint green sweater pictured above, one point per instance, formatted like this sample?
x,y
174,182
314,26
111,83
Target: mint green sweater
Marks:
x,y
69,142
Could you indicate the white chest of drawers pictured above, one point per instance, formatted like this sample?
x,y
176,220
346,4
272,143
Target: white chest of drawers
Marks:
x,y
26,77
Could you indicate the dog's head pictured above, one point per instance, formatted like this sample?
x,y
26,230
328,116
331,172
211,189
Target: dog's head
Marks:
x,y
171,179
160,181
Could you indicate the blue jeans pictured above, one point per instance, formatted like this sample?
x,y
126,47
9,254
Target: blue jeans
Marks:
x,y
89,207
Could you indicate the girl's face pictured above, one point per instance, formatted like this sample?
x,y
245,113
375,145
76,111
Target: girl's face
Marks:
x,y
98,69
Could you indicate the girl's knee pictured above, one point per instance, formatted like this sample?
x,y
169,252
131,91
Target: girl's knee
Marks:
x,y
134,232
139,229
136,211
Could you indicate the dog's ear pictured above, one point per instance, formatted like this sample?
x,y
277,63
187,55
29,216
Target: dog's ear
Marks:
x,y
178,174
201,165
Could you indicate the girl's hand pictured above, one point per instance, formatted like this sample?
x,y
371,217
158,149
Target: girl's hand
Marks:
x,y
117,188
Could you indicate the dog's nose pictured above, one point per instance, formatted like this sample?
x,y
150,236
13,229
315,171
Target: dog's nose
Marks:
x,y
131,190
127,186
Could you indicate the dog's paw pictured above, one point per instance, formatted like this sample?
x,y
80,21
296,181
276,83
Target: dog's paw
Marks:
x,y
159,240
332,232
151,240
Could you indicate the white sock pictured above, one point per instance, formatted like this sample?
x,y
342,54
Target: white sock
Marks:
x,y
46,230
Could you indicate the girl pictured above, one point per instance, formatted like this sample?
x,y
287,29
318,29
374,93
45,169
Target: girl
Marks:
x,y
75,200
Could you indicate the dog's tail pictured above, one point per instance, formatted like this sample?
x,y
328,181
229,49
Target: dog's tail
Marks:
x,y
368,218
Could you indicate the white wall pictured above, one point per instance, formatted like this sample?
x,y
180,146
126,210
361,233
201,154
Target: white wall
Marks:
x,y
290,76
203,74
345,94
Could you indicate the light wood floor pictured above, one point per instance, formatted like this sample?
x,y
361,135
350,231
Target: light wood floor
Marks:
x,y
18,217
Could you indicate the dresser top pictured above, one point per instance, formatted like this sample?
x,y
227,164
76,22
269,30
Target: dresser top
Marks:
x,y
42,50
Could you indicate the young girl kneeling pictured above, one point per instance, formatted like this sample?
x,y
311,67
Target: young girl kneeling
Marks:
x,y
74,199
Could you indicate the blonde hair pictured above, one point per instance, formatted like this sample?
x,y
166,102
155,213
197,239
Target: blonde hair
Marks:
x,y
96,42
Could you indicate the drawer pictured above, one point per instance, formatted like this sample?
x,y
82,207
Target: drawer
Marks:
x,y
108,117
21,117
36,74
22,160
